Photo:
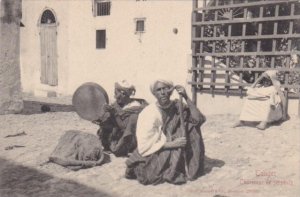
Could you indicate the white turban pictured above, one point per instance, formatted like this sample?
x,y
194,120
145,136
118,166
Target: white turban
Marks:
x,y
166,82
126,87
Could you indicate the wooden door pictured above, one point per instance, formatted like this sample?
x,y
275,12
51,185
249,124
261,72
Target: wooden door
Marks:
x,y
48,37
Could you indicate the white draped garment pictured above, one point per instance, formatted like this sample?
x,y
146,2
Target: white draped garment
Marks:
x,y
150,137
262,104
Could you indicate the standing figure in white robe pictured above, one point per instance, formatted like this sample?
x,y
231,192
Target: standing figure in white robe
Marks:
x,y
265,102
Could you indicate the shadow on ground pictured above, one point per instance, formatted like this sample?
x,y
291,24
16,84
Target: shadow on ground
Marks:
x,y
254,124
18,180
36,107
210,163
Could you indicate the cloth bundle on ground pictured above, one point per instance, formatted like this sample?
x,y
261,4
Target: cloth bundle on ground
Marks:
x,y
77,150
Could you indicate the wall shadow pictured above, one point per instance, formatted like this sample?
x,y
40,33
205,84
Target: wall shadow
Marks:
x,y
210,163
18,180
36,107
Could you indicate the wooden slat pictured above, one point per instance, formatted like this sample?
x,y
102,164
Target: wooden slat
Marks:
x,y
194,59
43,42
222,92
282,69
293,9
257,59
277,53
227,79
53,72
196,7
213,72
253,20
275,31
259,41
237,92
217,2
278,36
243,50
220,84
233,84
201,64
219,76
258,49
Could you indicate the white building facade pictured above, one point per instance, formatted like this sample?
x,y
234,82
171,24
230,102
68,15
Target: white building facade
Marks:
x,y
65,43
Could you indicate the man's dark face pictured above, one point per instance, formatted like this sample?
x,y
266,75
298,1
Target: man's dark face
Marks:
x,y
121,96
162,93
267,82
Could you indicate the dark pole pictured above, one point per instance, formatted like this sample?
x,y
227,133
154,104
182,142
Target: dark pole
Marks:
x,y
194,60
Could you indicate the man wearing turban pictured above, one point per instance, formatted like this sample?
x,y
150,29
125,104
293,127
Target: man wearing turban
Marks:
x,y
118,124
265,102
169,142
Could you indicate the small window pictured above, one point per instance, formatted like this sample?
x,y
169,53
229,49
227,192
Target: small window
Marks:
x,y
100,39
140,25
102,7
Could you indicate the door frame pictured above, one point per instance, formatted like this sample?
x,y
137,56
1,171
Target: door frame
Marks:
x,y
40,26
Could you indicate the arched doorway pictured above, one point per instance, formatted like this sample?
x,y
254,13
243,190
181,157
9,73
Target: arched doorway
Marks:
x,y
48,41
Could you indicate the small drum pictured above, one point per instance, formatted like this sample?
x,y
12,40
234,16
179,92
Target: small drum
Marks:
x,y
88,100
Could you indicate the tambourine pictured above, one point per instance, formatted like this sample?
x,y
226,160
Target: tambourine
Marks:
x,y
88,101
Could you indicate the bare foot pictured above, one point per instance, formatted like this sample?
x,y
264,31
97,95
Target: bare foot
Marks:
x,y
238,124
262,125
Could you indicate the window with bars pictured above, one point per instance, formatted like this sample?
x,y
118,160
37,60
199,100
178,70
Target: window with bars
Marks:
x,y
102,7
100,39
140,25
244,38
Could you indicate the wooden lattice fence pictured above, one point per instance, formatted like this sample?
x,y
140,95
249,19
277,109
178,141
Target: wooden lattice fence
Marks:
x,y
234,41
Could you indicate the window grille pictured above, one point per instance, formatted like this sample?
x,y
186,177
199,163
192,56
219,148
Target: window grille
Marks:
x,y
102,8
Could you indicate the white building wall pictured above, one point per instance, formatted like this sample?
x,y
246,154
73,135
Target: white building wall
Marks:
x,y
157,53
30,45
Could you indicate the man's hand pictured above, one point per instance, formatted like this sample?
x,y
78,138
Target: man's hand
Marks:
x,y
108,108
181,91
97,122
179,142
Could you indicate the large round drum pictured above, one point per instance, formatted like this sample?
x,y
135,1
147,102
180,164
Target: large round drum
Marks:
x,y
88,100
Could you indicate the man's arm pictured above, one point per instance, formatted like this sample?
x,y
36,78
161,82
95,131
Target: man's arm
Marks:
x,y
195,112
263,75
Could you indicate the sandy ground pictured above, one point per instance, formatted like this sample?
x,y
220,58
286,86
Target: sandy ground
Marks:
x,y
240,162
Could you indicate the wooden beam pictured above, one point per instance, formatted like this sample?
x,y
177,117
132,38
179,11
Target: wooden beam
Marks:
x,y
277,53
253,20
256,37
282,69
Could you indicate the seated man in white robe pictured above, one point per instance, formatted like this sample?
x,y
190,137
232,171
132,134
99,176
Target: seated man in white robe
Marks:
x,y
265,102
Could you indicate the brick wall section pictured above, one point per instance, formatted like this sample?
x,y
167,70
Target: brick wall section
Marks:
x,y
10,79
